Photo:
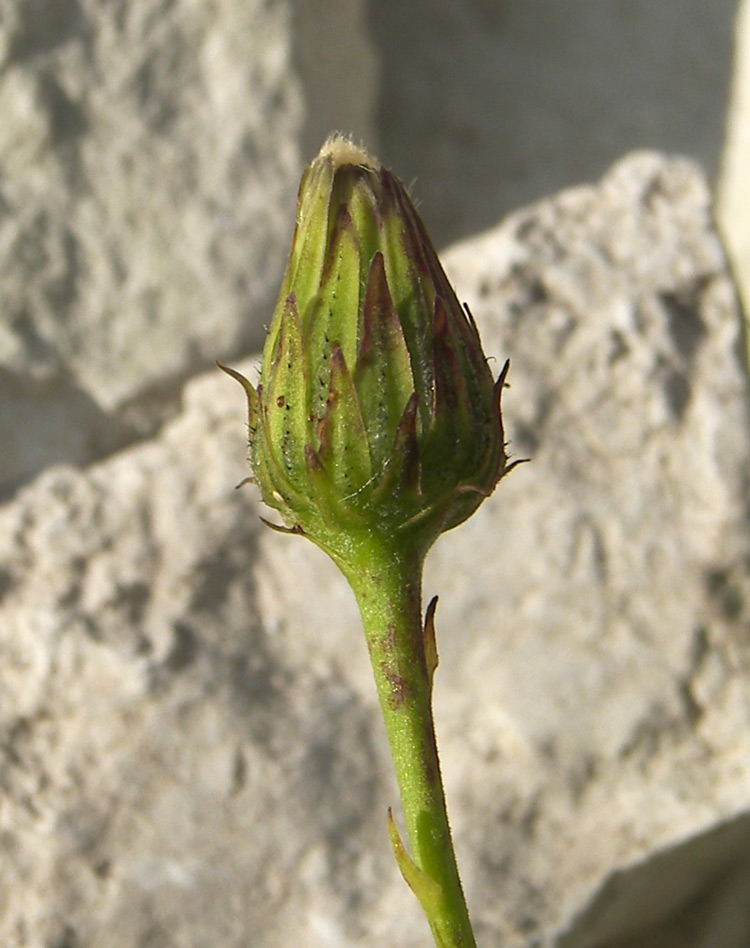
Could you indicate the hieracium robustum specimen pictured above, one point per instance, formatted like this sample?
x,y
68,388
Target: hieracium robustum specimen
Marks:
x,y
375,427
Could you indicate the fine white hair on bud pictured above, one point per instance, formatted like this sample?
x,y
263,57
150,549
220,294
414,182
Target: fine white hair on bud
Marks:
x,y
343,151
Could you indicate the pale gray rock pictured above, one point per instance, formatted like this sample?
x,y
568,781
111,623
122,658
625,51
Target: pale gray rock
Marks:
x,y
175,770
149,158
192,752
616,636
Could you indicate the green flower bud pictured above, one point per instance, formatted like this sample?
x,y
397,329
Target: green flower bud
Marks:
x,y
376,411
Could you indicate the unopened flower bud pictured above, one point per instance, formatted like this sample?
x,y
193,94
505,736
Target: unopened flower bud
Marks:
x,y
376,412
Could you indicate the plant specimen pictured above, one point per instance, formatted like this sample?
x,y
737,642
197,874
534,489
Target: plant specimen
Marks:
x,y
375,427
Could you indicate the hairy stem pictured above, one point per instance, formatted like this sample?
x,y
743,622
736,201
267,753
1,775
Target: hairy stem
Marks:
x,y
388,590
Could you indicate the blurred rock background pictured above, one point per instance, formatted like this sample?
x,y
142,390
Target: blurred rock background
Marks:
x,y
190,752
150,152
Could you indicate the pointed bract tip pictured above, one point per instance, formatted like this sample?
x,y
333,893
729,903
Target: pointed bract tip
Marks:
x,y
279,528
430,642
237,376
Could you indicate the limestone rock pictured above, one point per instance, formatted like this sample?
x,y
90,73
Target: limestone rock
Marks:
x,y
150,155
191,748
617,634
174,769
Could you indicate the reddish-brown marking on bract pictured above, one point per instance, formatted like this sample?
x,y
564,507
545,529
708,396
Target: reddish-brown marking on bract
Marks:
x,y
399,690
390,639
399,687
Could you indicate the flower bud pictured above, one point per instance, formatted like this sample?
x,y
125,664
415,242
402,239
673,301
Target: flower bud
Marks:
x,y
376,411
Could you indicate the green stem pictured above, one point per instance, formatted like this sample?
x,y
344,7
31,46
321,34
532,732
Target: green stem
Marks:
x,y
388,590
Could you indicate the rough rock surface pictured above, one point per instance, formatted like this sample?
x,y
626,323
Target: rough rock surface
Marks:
x,y
618,637
191,752
149,157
